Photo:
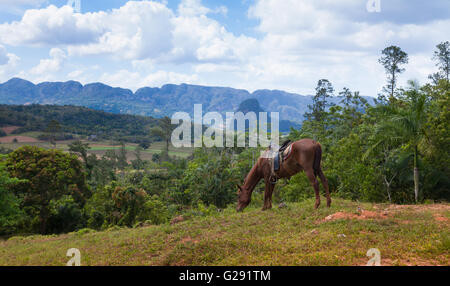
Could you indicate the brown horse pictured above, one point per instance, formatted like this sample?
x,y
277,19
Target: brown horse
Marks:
x,y
306,155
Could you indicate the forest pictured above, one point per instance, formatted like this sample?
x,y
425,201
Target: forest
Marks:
x,y
67,122
395,151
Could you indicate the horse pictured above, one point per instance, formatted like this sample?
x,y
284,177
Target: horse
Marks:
x,y
306,155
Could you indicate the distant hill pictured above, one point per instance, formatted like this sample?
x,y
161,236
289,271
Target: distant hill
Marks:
x,y
78,120
152,101
252,105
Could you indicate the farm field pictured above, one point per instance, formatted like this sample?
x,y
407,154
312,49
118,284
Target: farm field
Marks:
x,y
97,147
294,235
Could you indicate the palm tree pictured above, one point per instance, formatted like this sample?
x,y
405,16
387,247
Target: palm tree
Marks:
x,y
406,123
412,121
163,131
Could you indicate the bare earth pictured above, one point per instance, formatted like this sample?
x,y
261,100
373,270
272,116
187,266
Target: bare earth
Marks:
x,y
9,129
20,139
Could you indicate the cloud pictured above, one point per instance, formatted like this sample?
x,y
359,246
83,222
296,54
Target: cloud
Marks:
x,y
303,41
4,59
296,43
135,80
135,31
8,64
51,65
18,6
52,26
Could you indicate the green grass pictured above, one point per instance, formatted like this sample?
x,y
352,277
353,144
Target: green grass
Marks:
x,y
296,235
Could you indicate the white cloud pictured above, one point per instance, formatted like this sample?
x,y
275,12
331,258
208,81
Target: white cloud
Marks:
x,y
51,65
303,41
18,6
135,31
135,80
52,26
299,42
8,64
4,59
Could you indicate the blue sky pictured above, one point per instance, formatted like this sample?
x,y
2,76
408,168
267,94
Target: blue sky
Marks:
x,y
250,44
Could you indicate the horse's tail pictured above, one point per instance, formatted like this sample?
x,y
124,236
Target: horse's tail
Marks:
x,y
317,159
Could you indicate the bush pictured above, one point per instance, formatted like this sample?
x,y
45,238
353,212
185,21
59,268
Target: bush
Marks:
x,y
153,211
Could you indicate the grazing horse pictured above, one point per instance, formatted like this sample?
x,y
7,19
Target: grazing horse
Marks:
x,y
305,155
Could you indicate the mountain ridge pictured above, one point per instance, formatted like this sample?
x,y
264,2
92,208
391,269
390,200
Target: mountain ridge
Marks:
x,y
152,101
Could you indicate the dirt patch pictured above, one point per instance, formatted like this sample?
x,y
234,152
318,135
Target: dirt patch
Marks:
x,y
433,207
440,218
361,215
9,129
20,139
189,239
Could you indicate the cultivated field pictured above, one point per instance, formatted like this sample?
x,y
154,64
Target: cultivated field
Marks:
x,y
97,147
294,235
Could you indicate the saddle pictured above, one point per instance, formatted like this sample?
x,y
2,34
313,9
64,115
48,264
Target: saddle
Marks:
x,y
280,156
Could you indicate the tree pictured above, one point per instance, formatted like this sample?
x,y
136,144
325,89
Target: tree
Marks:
x,y
442,56
391,60
122,157
138,163
80,148
407,123
164,131
10,212
324,90
49,175
53,130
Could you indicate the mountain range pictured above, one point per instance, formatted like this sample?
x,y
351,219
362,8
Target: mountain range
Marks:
x,y
152,101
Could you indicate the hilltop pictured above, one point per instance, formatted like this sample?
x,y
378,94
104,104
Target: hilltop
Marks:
x,y
294,235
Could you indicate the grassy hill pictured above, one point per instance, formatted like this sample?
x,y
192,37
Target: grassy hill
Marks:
x,y
295,235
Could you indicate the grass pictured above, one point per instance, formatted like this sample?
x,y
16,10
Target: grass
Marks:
x,y
295,235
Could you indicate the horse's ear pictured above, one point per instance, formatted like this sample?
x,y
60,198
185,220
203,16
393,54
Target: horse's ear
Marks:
x,y
239,188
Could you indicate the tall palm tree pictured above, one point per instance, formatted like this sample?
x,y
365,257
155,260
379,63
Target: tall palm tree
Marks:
x,y
163,131
407,122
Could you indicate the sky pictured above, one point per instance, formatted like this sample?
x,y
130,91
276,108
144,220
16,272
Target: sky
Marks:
x,y
249,44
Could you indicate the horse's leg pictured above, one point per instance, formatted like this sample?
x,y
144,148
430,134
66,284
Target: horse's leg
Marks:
x,y
312,179
268,194
325,186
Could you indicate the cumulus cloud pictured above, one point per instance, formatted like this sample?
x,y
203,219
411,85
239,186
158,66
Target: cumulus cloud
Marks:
x,y
297,42
51,65
18,6
52,26
8,64
303,41
3,56
135,31
136,80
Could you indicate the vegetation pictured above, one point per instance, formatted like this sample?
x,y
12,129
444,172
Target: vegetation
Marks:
x,y
395,151
58,122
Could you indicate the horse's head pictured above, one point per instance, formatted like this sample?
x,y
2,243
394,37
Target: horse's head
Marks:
x,y
244,196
